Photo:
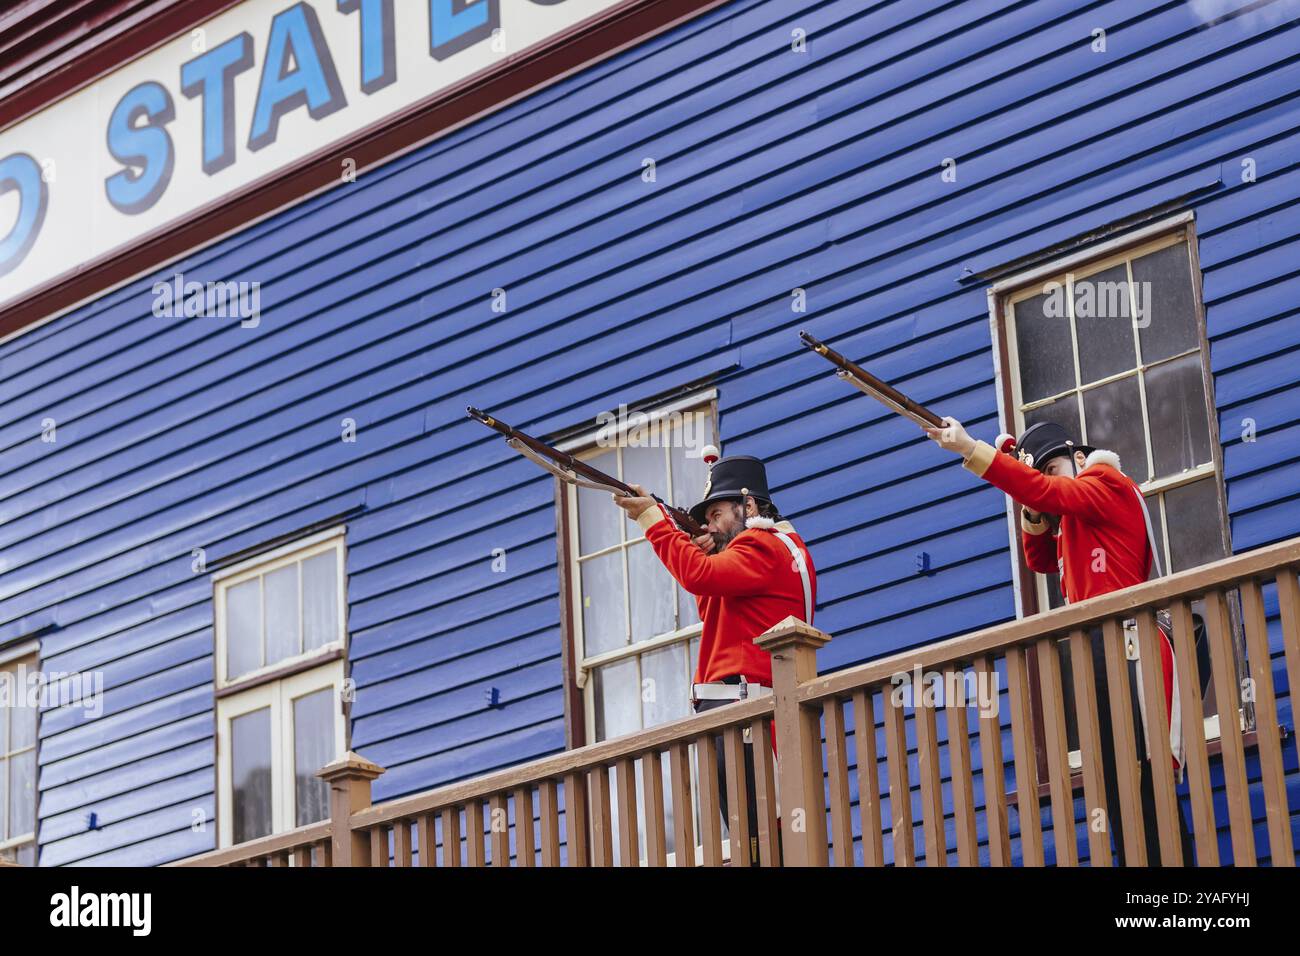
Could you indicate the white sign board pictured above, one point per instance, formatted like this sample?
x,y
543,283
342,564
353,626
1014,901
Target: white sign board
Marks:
x,y
250,92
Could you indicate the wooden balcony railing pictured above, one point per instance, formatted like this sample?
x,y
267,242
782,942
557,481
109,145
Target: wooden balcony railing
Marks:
x,y
842,791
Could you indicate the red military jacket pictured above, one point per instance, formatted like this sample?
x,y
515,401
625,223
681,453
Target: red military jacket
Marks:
x,y
741,591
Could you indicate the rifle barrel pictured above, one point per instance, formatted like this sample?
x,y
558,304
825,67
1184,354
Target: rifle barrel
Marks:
x,y
878,385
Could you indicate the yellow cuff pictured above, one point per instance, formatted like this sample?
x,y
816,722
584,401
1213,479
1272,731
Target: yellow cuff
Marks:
x,y
1032,527
650,517
980,457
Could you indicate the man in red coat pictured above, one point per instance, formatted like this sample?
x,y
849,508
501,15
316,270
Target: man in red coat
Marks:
x,y
748,573
1086,520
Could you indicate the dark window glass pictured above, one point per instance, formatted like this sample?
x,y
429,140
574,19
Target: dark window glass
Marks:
x,y
320,600
313,748
1164,279
1063,411
250,758
280,588
1180,429
1046,356
1103,324
1195,515
1114,413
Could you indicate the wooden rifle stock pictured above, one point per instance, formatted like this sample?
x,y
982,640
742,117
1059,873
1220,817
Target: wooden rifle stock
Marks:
x,y
575,471
878,389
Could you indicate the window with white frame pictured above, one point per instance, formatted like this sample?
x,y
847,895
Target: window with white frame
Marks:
x,y
18,723
281,644
636,631
1114,350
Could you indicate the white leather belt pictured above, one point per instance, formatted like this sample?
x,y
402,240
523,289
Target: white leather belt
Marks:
x,y
717,690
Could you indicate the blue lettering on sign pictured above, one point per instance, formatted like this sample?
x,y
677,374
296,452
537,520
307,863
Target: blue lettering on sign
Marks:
x,y
147,146
378,42
311,80
212,76
22,173
456,24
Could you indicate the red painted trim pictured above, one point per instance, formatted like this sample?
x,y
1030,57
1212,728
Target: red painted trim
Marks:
x,y
583,44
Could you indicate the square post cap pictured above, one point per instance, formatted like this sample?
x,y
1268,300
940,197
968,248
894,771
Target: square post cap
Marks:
x,y
350,766
791,632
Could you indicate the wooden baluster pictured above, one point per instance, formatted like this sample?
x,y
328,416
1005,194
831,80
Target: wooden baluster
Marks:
x,y
1228,694
995,778
525,848
1094,778
959,762
629,849
549,800
302,855
475,855
927,767
1288,601
1125,740
379,846
765,781
499,828
325,853
864,740
576,826
1197,762
733,751
656,843
279,858
402,843
679,756
900,787
1160,764
426,835
1272,770
710,808
451,836
602,825
1022,739
837,766
1058,757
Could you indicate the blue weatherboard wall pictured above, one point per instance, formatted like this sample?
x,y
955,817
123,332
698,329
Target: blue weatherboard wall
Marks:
x,y
774,170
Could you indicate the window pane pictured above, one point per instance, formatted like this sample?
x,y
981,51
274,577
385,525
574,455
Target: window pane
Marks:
x,y
1180,428
666,693
282,637
1195,523
597,514
1046,355
22,793
4,789
1104,324
694,654
6,709
651,593
689,473
688,608
1172,326
617,699
1114,413
243,628
22,722
647,467
320,602
313,748
27,854
604,622
250,757
1158,529
1063,411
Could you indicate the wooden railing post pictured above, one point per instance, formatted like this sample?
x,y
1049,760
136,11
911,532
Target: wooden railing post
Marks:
x,y
349,779
793,646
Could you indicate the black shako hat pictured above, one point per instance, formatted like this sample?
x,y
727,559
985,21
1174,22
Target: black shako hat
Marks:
x,y
734,478
1044,441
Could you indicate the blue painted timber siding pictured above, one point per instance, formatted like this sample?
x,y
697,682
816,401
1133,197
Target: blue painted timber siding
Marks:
x,y
775,170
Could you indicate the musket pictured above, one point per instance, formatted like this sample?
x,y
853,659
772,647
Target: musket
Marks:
x,y
573,471
867,383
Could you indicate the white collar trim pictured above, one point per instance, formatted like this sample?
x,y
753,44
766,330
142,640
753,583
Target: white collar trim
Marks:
x,y
764,524
1101,456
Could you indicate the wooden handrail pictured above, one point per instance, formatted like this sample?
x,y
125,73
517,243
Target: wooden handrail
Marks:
x,y
606,752
279,842
1062,620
